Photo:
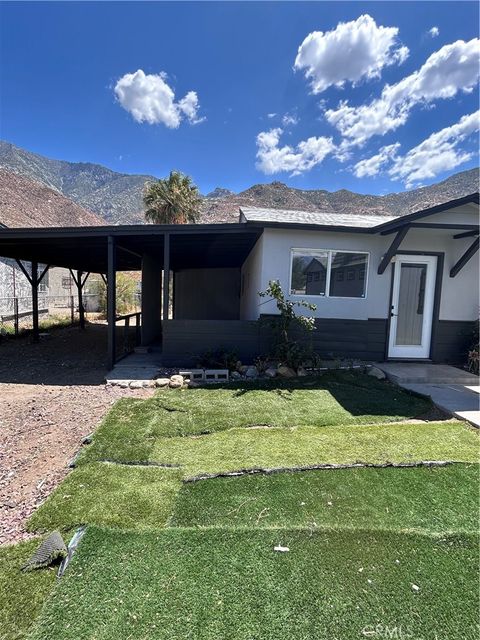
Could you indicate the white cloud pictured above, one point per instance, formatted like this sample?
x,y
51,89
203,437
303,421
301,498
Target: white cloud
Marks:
x,y
373,166
434,32
452,68
351,52
189,106
272,158
271,115
148,98
289,120
436,154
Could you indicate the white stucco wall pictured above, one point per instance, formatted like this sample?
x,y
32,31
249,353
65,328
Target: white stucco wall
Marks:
x,y
251,282
270,260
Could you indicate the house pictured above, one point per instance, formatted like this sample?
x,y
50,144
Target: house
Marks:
x,y
404,287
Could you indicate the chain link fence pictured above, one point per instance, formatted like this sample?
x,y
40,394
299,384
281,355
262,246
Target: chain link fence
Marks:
x,y
16,314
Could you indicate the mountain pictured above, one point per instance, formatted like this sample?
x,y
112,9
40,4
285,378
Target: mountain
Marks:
x,y
117,197
26,203
219,192
277,195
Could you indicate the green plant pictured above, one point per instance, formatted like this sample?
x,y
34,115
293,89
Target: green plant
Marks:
x,y
290,352
172,200
126,288
474,353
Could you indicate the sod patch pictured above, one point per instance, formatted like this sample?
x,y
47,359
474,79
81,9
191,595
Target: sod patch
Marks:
x,y
110,495
422,499
131,428
21,594
295,447
212,584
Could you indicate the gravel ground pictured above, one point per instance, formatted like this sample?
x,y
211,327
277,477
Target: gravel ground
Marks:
x,y
51,396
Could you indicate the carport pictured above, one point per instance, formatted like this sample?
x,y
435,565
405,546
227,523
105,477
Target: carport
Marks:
x,y
156,250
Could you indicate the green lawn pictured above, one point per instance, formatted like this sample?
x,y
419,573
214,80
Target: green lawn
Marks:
x,y
423,499
231,585
110,495
272,448
130,430
22,594
163,559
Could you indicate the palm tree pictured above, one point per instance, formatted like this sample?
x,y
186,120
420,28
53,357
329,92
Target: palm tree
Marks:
x,y
172,200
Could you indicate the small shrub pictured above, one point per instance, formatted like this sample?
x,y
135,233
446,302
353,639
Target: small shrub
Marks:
x,y
290,352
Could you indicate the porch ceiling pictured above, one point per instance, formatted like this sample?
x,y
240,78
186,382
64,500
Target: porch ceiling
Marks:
x,y
85,248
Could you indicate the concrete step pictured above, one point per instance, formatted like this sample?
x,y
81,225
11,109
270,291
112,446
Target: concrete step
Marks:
x,y
415,373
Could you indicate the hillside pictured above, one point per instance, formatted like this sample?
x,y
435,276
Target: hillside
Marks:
x,y
117,197
279,196
26,203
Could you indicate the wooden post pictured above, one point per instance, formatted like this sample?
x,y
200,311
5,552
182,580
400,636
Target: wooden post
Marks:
x,y
81,310
166,275
111,302
34,282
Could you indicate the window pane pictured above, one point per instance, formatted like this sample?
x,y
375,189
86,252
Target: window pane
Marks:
x,y
309,273
347,276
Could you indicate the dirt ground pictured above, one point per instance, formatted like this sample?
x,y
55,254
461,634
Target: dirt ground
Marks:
x,y
52,395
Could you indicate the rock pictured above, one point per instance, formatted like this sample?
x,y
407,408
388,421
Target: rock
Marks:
x,y
243,369
236,375
415,587
281,549
251,372
162,382
271,372
301,372
238,365
377,373
148,384
286,372
176,382
136,384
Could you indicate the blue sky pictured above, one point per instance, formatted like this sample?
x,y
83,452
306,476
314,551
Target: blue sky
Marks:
x,y
240,93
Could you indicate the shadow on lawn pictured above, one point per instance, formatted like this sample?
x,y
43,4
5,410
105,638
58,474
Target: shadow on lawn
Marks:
x,y
357,393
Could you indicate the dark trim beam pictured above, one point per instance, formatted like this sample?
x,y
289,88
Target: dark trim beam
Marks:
x,y
466,234
469,253
25,272
431,225
166,275
111,301
35,282
392,249
132,253
80,281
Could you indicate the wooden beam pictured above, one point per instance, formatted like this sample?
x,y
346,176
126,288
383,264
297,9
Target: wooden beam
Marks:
x,y
25,272
166,275
111,301
431,225
466,234
44,273
34,281
81,310
469,253
392,250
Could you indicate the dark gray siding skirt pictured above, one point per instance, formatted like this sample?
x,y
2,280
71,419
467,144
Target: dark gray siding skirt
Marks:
x,y
185,340
452,341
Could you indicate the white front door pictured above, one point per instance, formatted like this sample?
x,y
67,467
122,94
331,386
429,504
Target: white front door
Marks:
x,y
412,306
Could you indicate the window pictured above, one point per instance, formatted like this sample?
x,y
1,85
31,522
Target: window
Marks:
x,y
335,274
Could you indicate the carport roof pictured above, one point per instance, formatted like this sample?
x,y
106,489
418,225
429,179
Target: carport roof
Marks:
x,y
86,248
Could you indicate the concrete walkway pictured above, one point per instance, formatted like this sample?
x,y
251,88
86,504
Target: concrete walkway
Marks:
x,y
142,366
453,390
